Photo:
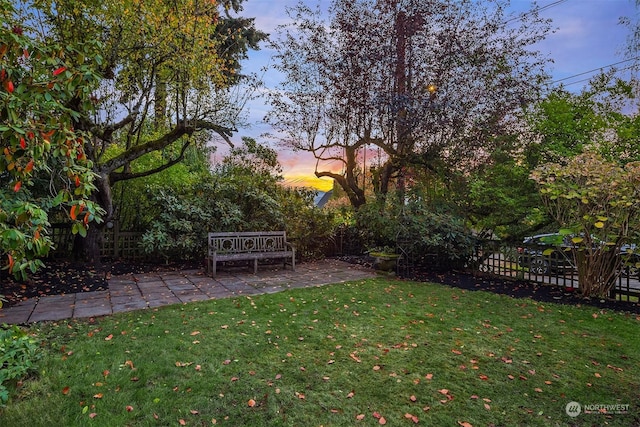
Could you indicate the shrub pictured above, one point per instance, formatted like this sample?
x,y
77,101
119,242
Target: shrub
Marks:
x,y
309,227
18,353
433,234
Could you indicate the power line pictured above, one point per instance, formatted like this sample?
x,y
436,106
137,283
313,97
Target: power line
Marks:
x,y
595,69
587,79
538,9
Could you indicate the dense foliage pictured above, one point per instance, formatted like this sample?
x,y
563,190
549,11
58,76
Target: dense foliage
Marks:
x,y
433,234
594,201
242,193
44,166
166,79
18,353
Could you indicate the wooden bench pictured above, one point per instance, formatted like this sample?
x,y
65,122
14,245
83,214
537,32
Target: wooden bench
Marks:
x,y
252,245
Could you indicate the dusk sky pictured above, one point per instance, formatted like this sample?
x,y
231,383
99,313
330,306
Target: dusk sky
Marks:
x,y
588,37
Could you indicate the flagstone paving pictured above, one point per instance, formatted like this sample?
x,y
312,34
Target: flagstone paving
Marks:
x,y
150,290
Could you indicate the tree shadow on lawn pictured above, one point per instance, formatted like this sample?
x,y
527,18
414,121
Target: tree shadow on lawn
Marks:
x,y
477,281
65,277
522,289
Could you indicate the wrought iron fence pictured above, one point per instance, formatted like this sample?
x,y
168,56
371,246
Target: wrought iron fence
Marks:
x,y
115,243
511,261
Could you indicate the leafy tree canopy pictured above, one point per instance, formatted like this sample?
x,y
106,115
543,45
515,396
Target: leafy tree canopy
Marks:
x,y
44,163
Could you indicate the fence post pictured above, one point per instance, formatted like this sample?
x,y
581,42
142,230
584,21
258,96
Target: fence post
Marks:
x,y
116,238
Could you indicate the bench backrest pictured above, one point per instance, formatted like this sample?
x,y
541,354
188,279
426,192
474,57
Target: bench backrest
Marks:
x,y
249,241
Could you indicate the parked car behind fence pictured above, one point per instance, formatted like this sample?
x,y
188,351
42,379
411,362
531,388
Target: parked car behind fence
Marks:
x,y
552,252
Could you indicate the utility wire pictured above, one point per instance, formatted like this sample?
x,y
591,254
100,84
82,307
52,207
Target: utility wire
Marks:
x,y
587,79
596,69
538,9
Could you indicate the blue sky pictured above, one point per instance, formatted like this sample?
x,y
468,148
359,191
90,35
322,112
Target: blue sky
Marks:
x,y
588,37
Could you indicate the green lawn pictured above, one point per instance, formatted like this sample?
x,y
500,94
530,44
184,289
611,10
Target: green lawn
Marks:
x,y
364,353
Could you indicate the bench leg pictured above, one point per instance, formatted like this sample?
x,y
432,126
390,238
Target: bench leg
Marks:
x,y
255,266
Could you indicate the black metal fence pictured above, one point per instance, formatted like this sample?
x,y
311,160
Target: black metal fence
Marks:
x,y
507,260
115,243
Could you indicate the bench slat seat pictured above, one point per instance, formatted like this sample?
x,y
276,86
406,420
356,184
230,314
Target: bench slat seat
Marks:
x,y
251,245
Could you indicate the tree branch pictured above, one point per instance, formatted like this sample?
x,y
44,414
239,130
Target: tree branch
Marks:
x,y
183,129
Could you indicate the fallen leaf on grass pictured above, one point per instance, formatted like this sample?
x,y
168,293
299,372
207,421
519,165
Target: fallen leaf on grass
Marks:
x,y
98,396
465,424
66,390
129,408
92,415
412,418
251,403
360,417
109,337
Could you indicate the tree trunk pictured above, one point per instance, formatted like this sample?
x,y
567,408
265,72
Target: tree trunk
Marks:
x,y
597,272
88,248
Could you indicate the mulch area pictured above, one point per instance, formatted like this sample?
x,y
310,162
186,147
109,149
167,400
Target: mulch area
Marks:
x,y
515,288
63,277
